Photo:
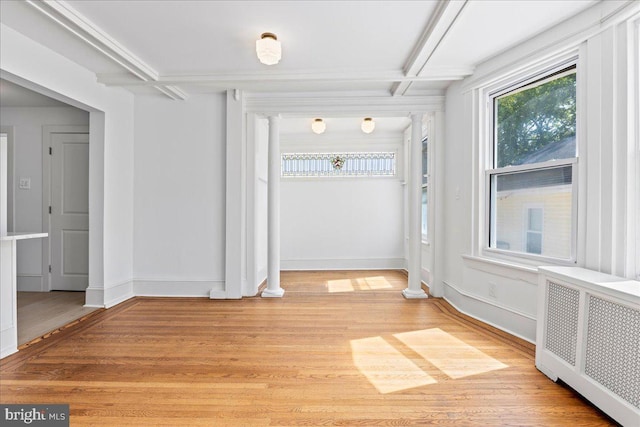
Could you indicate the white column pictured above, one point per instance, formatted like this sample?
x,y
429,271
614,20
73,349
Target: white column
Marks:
x,y
414,288
273,207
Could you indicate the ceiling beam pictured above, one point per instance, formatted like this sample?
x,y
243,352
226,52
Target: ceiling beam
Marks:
x,y
341,106
68,18
239,80
435,31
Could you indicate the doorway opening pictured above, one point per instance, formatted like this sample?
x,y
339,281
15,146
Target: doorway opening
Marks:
x,y
48,184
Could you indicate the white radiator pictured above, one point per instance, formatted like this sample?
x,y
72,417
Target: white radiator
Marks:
x,y
588,335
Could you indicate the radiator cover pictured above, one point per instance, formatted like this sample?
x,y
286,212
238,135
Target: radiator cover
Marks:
x,y
588,335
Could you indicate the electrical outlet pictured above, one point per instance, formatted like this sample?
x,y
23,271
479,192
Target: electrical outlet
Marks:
x,y
25,184
492,290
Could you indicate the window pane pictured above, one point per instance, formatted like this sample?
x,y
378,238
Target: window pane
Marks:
x,y
518,227
425,161
338,164
534,243
537,123
425,210
535,219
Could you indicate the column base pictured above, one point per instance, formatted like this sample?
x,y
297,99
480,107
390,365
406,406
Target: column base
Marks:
x,y
411,294
272,293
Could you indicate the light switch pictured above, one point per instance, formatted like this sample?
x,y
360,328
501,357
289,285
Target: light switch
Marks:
x,y
25,183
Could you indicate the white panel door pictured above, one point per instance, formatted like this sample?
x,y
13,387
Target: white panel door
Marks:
x,y
69,218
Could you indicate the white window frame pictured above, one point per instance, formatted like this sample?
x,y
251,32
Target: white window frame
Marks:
x,y
635,42
486,126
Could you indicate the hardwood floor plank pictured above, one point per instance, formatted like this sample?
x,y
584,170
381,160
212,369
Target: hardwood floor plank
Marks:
x,y
292,361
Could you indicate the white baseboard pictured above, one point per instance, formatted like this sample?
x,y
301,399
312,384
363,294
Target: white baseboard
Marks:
x,y
117,293
30,283
514,322
343,264
108,296
177,288
425,276
8,338
94,297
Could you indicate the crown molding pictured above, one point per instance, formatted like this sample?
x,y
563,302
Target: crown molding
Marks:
x,y
283,79
380,106
68,18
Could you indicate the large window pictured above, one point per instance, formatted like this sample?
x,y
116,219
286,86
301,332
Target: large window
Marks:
x,y
532,194
425,188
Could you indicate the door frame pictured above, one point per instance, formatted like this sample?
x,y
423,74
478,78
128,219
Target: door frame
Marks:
x,y
47,132
9,131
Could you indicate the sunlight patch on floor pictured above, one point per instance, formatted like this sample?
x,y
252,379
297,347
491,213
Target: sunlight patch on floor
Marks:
x,y
359,284
386,368
452,356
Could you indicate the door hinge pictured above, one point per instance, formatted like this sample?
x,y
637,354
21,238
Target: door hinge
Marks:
x,y
50,151
49,210
49,269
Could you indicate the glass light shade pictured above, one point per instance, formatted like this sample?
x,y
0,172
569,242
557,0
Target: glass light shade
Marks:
x,y
268,49
318,126
368,125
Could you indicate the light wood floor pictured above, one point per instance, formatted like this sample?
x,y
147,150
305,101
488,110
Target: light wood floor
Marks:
x,y
42,313
340,348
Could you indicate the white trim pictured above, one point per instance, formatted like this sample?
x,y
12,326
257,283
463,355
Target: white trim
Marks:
x,y
344,264
7,339
9,131
634,114
94,297
116,293
503,268
441,21
554,43
545,71
236,195
528,318
176,288
551,164
64,15
260,81
342,106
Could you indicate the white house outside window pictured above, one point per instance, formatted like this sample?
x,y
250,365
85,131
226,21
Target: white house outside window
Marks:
x,y
532,176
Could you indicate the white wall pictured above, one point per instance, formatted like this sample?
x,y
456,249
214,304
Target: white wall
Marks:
x,y
179,226
343,223
502,292
30,64
27,126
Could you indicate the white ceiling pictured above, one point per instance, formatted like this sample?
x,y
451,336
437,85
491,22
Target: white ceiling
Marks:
x,y
349,47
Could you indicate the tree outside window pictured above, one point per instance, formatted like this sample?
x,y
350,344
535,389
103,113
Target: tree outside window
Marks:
x,y
534,160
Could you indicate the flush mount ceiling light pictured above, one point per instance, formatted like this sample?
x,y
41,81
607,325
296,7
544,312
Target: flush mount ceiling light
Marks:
x,y
318,126
368,125
268,49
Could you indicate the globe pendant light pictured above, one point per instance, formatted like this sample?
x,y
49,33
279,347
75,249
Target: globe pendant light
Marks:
x,y
318,126
368,125
268,49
